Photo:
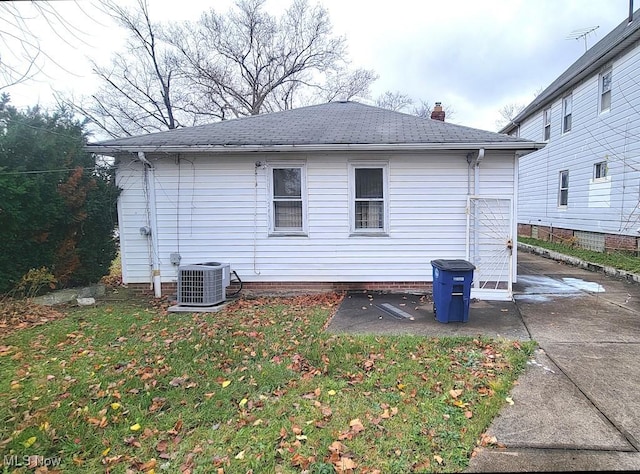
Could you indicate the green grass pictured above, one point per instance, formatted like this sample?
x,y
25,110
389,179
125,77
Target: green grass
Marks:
x,y
257,387
622,260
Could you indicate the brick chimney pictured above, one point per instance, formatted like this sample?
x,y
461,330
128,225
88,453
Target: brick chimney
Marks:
x,y
438,112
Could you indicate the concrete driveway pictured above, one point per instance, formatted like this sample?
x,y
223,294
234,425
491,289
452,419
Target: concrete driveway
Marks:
x,y
577,406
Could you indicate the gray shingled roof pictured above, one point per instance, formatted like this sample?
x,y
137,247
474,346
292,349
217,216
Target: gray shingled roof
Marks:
x,y
601,53
335,123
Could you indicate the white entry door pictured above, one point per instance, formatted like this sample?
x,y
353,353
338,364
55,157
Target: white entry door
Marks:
x,y
490,246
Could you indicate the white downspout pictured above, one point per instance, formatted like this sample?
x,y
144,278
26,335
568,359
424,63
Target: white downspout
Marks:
x,y
476,228
468,210
513,262
476,183
150,182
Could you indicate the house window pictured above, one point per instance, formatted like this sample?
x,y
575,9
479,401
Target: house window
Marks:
x,y
546,120
605,91
600,170
567,106
563,189
288,203
369,199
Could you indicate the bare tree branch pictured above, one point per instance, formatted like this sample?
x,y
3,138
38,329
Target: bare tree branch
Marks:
x,y
396,101
345,85
21,27
247,62
507,113
141,90
400,102
243,62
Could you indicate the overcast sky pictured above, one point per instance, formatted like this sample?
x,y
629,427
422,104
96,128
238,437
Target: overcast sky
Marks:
x,y
473,56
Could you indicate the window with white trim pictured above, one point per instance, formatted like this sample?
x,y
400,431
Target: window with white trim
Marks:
x,y
288,203
563,189
546,120
567,112
600,170
605,90
369,194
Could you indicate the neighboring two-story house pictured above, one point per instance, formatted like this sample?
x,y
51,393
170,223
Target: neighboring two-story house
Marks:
x,y
584,186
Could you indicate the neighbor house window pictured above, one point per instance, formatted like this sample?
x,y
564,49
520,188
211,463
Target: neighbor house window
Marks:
x,y
369,198
600,170
546,120
605,91
567,107
288,203
563,189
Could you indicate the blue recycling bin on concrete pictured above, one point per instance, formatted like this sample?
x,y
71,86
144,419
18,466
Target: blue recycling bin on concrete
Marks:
x,y
452,281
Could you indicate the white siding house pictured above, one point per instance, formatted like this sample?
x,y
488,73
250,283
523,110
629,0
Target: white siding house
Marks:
x,y
340,195
584,186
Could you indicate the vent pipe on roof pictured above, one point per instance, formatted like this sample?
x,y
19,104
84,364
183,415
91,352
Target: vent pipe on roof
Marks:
x,y
630,11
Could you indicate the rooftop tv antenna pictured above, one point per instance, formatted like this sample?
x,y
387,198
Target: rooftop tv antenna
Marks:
x,y
582,33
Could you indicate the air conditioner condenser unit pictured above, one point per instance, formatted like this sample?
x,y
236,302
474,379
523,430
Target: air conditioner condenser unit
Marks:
x,y
203,284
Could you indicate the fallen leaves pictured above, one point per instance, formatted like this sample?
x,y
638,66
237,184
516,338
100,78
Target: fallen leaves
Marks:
x,y
341,458
303,462
6,350
489,440
300,364
101,422
237,378
18,314
157,403
455,393
355,427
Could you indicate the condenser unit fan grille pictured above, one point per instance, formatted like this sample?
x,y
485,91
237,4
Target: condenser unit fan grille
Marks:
x,y
202,285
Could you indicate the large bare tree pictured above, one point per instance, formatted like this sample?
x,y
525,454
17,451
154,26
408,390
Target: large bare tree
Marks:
x,y
247,62
242,62
142,89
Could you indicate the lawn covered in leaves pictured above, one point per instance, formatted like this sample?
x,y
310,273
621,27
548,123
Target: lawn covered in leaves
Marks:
x,y
257,387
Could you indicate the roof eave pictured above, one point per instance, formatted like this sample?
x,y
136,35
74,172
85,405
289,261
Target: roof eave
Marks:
x,y
386,147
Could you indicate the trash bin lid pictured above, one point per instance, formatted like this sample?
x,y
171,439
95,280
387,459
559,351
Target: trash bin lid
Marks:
x,y
454,265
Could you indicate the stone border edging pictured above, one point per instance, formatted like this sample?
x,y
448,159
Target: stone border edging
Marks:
x,y
594,267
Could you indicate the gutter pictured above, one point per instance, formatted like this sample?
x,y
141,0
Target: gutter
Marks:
x,y
366,147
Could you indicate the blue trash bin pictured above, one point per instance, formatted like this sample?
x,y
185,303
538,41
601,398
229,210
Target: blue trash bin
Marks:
x,y
452,289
